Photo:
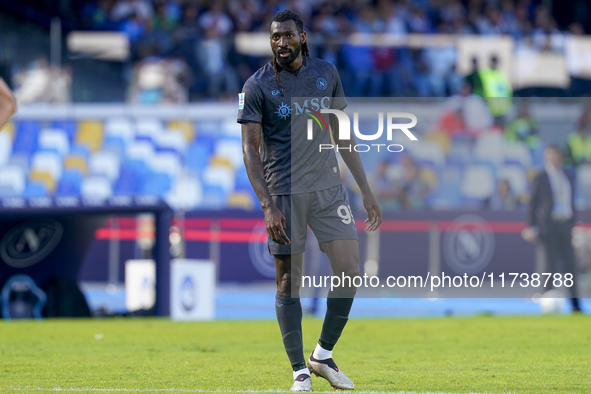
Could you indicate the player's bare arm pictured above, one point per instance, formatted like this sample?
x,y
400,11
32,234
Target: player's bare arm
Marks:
x,y
274,219
7,103
353,162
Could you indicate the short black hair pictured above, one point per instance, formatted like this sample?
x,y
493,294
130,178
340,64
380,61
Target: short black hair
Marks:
x,y
287,15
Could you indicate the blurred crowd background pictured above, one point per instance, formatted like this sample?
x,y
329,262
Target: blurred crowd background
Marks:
x,y
192,44
199,53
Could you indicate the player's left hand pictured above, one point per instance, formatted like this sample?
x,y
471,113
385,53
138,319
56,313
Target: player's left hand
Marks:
x,y
374,212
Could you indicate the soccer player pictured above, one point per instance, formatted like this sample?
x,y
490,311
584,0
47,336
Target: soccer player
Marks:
x,y
297,187
7,103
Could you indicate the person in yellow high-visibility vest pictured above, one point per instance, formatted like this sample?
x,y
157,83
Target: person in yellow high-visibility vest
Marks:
x,y
497,90
524,128
578,143
578,146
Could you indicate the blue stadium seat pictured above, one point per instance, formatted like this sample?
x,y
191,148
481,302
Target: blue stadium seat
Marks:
x,y
207,141
131,178
35,189
214,197
25,140
242,181
157,184
67,125
197,158
69,184
115,144
80,150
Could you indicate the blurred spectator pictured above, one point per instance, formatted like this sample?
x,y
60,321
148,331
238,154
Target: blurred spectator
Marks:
x,y
201,32
414,188
497,89
474,78
213,51
134,28
42,82
445,81
212,54
384,188
418,21
160,81
546,36
523,128
467,114
502,199
125,9
186,35
359,61
578,143
216,20
98,15
167,16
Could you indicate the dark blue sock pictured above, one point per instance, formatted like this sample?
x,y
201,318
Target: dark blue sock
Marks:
x,y
338,306
289,316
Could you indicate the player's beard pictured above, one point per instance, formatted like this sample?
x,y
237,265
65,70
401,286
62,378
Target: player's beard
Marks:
x,y
286,61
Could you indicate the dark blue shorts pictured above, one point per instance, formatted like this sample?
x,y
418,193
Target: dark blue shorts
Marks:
x,y
327,212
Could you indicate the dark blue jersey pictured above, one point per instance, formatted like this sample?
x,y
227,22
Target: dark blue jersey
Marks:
x,y
292,163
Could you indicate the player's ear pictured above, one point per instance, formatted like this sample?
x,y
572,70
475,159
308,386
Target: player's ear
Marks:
x,y
303,37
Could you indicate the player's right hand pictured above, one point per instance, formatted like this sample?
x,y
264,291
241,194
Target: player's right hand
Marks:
x,y
275,222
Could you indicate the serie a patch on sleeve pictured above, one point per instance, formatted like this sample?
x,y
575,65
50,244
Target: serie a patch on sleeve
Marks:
x,y
240,100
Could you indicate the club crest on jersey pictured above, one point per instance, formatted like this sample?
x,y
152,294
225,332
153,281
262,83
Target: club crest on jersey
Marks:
x,y
283,110
321,84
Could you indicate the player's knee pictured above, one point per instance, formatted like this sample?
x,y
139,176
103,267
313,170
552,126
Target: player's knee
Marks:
x,y
287,283
353,272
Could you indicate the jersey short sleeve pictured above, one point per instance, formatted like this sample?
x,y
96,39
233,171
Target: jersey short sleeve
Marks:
x,y
250,103
339,101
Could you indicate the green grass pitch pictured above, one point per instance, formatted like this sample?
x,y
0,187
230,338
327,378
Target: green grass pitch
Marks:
x,y
483,354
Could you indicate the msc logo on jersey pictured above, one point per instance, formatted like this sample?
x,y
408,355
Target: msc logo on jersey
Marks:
x,y
321,84
283,110
317,104
29,243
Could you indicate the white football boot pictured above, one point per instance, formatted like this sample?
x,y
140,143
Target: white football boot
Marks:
x,y
303,383
328,370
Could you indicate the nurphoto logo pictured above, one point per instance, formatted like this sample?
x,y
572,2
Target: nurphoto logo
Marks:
x,y
345,130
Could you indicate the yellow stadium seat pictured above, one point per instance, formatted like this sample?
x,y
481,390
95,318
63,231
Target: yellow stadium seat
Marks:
x,y
240,200
90,133
44,178
185,126
221,161
8,128
442,139
75,162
